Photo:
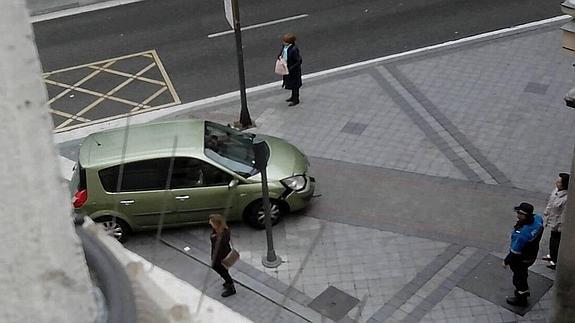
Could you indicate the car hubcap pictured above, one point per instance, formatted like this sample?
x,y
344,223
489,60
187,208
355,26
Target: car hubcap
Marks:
x,y
113,229
274,213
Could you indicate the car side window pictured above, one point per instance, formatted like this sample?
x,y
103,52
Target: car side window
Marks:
x,y
187,173
191,172
146,175
214,176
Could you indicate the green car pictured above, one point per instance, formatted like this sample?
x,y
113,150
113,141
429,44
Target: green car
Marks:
x,y
179,172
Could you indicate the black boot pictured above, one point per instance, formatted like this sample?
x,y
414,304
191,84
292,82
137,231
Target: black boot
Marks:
x,y
229,290
520,299
289,99
293,102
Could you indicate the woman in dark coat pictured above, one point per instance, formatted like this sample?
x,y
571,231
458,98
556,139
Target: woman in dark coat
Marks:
x,y
220,239
290,54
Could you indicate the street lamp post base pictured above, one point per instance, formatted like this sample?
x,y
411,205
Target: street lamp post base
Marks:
x,y
271,264
238,125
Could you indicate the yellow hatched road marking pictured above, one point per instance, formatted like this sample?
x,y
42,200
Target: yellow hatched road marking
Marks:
x,y
141,78
94,93
166,78
67,115
153,96
147,53
106,66
73,87
108,94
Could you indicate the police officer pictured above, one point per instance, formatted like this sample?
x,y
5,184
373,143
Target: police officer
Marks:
x,y
525,239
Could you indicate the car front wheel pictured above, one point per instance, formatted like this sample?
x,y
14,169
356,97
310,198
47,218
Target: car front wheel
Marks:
x,y
256,214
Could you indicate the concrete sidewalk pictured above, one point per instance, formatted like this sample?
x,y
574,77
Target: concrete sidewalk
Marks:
x,y
442,143
485,116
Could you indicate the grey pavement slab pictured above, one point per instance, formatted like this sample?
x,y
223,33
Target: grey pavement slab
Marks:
x,y
247,302
333,303
491,282
365,263
506,96
447,210
463,306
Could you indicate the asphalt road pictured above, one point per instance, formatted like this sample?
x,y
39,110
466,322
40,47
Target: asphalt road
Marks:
x,y
336,33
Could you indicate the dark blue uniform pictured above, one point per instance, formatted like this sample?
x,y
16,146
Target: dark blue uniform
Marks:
x,y
523,252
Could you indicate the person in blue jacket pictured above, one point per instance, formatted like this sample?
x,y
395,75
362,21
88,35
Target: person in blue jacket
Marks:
x,y
525,239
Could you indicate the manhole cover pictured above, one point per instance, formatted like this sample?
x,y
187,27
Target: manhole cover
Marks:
x,y
333,303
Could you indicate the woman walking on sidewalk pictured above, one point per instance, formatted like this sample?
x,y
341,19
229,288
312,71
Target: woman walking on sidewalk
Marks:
x,y
291,56
220,239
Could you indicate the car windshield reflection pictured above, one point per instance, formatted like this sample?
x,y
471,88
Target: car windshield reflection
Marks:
x,y
230,148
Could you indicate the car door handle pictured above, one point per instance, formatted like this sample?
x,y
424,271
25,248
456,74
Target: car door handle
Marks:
x,y
182,197
127,202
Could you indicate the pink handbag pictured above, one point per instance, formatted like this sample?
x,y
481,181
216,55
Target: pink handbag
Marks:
x,y
281,67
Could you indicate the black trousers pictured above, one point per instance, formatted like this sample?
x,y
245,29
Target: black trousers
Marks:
x,y
520,273
554,245
295,94
223,272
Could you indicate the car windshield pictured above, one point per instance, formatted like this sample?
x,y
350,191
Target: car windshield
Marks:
x,y
230,148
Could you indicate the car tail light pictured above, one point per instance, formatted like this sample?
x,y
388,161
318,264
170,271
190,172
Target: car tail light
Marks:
x,y
80,198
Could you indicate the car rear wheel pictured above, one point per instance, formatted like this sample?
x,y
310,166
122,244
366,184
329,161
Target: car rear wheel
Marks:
x,y
256,214
115,227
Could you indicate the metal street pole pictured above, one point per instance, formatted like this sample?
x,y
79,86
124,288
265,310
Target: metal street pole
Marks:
x,y
245,119
262,152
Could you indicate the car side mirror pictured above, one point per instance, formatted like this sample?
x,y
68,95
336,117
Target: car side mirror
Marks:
x,y
233,183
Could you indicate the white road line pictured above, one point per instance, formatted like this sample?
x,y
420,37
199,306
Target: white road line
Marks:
x,y
273,22
82,9
156,113
66,167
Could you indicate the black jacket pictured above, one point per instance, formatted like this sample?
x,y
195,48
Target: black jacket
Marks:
x,y
293,79
220,245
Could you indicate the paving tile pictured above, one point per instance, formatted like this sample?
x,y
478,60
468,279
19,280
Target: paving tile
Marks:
x,y
485,281
537,88
333,303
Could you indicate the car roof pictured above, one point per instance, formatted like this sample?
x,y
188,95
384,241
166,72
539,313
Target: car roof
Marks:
x,y
145,141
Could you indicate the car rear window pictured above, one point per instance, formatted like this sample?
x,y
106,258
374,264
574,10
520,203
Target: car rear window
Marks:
x,y
78,181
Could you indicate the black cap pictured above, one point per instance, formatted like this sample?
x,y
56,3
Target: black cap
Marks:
x,y
524,208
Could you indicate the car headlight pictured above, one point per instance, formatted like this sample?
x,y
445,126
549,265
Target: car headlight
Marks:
x,y
296,183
